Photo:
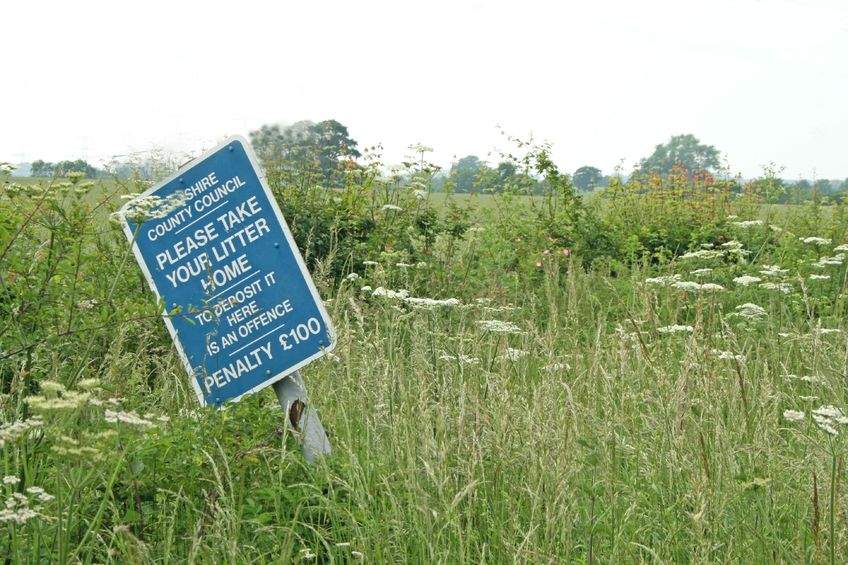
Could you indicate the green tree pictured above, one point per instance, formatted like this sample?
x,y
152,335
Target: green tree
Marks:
x,y
823,187
62,168
684,151
41,168
506,172
464,173
334,144
586,178
325,148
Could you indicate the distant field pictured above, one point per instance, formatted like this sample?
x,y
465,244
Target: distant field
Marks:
x,y
112,189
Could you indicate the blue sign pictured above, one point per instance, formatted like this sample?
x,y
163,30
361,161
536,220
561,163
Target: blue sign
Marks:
x,y
238,300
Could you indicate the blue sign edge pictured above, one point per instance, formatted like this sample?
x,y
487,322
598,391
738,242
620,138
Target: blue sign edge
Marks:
x,y
304,271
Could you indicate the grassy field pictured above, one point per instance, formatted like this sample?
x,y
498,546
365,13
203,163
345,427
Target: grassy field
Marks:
x,y
688,410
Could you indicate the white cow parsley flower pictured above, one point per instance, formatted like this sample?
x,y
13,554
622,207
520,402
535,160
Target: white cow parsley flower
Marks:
x,y
676,328
815,240
498,326
773,270
793,415
747,280
750,311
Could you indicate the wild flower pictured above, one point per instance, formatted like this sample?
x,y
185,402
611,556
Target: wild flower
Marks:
x,y
496,309
11,480
805,378
728,355
430,303
12,431
499,326
19,515
735,248
773,270
836,261
366,288
826,425
69,400
18,509
691,286
700,272
815,240
815,277
386,293
39,494
675,329
53,387
352,277
554,367
832,412
88,384
828,331
370,263
130,418
785,288
747,280
420,194
702,254
514,354
749,311
688,286
827,417
87,304
745,224
461,358
625,336
333,357
665,280
73,450
150,207
793,415
843,247
391,208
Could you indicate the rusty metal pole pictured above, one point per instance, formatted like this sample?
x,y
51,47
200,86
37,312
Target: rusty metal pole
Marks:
x,y
300,417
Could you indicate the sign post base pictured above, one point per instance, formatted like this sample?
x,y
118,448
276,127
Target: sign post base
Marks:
x,y
303,419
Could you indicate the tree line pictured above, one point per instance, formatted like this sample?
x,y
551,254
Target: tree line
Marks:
x,y
326,151
45,169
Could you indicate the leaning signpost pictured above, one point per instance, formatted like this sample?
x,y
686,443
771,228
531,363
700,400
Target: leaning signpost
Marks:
x,y
238,299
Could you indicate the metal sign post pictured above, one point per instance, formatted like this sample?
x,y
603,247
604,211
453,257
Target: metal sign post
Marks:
x,y
302,418
239,302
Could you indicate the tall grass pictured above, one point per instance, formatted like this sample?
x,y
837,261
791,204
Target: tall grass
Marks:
x,y
595,417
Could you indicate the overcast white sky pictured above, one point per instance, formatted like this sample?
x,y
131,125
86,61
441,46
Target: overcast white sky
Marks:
x,y
604,81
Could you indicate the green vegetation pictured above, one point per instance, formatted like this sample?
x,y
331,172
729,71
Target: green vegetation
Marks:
x,y
655,373
685,152
43,169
